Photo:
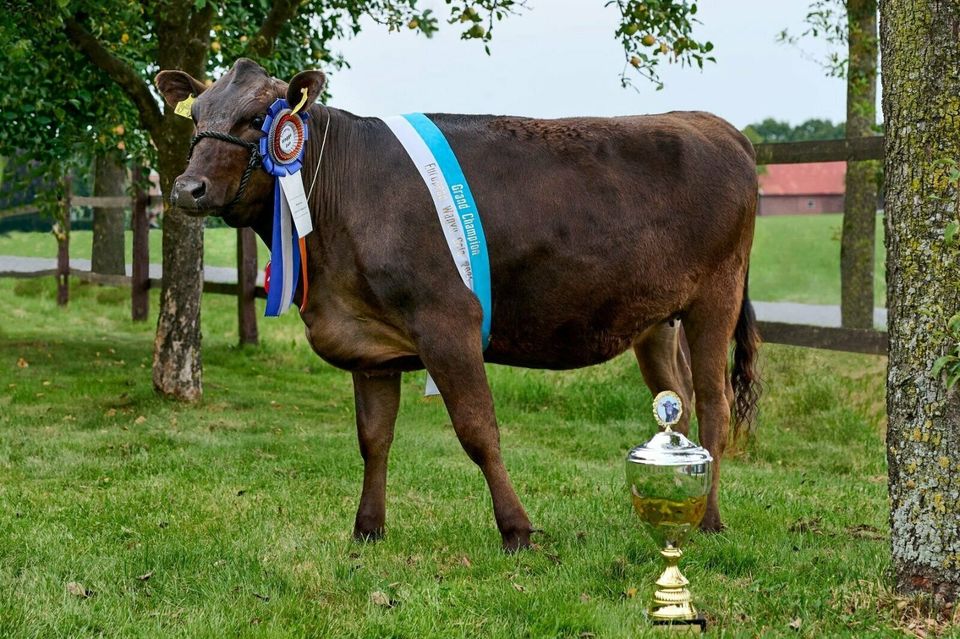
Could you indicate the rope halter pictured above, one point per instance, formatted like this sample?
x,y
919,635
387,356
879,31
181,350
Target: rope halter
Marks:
x,y
253,163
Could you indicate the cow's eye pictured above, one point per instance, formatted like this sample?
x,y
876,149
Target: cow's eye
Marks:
x,y
257,121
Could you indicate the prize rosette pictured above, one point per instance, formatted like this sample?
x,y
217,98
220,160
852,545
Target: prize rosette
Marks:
x,y
284,138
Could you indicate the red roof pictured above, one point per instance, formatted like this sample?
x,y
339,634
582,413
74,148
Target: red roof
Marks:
x,y
817,178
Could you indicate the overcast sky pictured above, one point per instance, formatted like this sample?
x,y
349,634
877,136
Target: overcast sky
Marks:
x,y
561,58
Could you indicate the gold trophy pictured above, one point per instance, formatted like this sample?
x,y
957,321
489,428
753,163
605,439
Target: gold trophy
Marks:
x,y
669,478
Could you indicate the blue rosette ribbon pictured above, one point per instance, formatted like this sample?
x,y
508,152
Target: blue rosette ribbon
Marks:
x,y
287,251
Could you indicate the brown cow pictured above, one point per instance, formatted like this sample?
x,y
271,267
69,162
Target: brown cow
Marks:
x,y
603,234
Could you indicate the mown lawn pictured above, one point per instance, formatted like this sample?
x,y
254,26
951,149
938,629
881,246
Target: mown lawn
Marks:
x,y
231,517
795,258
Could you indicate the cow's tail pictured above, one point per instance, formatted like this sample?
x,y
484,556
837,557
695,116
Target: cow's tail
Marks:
x,y
744,377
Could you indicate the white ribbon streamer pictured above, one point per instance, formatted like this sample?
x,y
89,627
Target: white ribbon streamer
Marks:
x,y
436,183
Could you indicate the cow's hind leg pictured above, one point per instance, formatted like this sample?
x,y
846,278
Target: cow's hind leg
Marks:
x,y
709,325
664,361
377,400
450,349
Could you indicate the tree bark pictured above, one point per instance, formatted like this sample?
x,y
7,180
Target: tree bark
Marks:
x,y
62,232
860,203
921,85
182,43
110,179
177,365
140,284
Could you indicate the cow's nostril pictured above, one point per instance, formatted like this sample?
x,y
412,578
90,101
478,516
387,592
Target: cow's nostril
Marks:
x,y
198,189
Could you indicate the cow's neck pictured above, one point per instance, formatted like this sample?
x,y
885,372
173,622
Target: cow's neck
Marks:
x,y
325,245
323,196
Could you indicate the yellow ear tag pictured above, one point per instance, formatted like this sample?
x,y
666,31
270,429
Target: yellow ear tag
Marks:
x,y
183,107
303,100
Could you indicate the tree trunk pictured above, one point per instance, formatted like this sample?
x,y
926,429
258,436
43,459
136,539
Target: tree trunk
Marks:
x,y
62,232
177,367
140,271
110,180
182,43
860,203
183,38
921,85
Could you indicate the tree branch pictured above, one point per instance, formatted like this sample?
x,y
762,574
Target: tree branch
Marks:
x,y
281,12
119,71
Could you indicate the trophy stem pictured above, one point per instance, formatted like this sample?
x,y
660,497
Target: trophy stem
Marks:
x,y
671,601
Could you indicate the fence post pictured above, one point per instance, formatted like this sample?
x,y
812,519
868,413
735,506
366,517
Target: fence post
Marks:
x,y
62,232
140,285
246,286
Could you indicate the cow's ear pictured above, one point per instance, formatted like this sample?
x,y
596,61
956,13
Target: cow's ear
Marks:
x,y
312,81
177,86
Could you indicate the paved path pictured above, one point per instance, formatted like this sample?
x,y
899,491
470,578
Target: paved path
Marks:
x,y
788,312
813,314
11,264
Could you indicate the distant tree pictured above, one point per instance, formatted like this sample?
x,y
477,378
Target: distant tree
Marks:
x,y
850,28
858,238
109,180
56,111
771,130
817,129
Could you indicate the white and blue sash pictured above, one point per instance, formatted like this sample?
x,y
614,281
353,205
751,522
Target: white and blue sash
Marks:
x,y
456,208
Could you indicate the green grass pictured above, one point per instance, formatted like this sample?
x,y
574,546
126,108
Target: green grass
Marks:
x,y
239,508
795,258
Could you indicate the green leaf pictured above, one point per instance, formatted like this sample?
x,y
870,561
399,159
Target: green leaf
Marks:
x,y
953,324
950,233
953,380
940,363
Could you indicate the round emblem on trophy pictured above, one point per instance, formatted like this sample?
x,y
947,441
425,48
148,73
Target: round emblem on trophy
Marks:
x,y
286,137
667,408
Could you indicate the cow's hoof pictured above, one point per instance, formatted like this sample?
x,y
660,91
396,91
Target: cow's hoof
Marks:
x,y
711,525
516,540
368,536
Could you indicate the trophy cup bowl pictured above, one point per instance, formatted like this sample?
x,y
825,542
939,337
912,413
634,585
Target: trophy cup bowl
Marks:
x,y
669,479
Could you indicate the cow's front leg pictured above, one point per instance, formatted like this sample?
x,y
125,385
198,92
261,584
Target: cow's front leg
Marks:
x,y
450,350
377,400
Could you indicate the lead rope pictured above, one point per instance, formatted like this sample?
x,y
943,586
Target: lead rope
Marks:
x,y
253,162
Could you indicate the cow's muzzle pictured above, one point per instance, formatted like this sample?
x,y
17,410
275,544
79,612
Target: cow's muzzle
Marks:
x,y
188,192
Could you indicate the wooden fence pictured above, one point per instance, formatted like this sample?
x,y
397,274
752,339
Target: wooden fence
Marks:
x,y
246,291
831,338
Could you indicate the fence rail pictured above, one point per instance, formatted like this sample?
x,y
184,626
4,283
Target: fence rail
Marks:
x,y
107,202
26,209
851,150
830,338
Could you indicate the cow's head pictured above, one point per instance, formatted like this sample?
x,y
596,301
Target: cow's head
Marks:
x,y
234,105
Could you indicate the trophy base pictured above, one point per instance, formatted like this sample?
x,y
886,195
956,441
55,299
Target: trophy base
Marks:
x,y
681,628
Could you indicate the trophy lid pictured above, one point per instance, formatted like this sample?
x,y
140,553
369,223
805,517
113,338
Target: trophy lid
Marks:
x,y
668,448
